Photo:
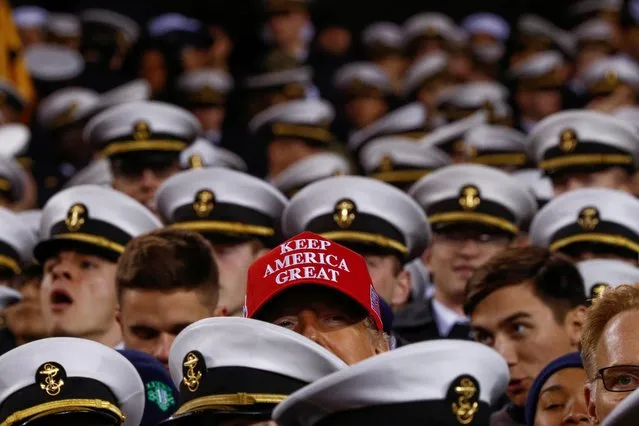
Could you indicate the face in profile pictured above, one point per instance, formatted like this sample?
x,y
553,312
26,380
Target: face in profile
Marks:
x,y
328,318
24,319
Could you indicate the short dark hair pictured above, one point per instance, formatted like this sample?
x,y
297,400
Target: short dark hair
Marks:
x,y
556,280
168,260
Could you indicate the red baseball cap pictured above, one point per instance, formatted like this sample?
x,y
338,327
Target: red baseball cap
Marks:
x,y
308,258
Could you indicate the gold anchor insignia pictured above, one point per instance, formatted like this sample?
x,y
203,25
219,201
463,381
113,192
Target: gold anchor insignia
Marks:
x,y
192,376
50,382
67,115
588,218
75,217
141,130
386,164
196,162
204,203
469,197
465,408
568,140
344,213
598,290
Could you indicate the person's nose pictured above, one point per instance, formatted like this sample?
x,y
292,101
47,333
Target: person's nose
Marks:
x,y
576,412
162,347
148,180
507,350
62,269
308,325
469,248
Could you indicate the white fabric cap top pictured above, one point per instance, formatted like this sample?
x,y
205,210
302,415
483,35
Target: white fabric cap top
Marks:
x,y
98,172
311,169
203,154
588,216
424,69
407,232
125,25
537,65
454,133
539,184
210,79
597,29
383,33
409,118
14,139
608,73
306,111
586,6
301,75
365,73
629,114
31,218
66,106
425,371
487,23
51,62
133,91
51,363
475,95
482,195
8,296
536,26
171,22
64,25
29,16
429,23
251,344
570,138
601,274
495,145
15,233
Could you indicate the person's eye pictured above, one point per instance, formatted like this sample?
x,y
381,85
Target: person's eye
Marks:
x,y
334,319
482,337
553,406
87,264
285,322
144,333
624,382
519,329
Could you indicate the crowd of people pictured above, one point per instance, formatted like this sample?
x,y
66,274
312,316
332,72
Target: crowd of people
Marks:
x,y
428,222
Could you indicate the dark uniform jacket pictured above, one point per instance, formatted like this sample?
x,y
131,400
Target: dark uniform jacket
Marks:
x,y
7,341
510,415
416,322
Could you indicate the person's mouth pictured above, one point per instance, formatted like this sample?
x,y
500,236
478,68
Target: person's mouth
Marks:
x,y
464,271
61,300
516,386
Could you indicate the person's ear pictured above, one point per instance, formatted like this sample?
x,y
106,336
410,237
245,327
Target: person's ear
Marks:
x,y
426,257
118,316
402,289
574,323
382,343
589,396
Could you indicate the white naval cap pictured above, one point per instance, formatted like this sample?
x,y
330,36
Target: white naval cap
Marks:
x,y
92,218
12,179
433,382
66,106
17,241
602,274
583,139
584,7
629,114
542,70
208,87
257,365
53,63
362,79
596,30
311,169
487,23
420,282
425,70
31,218
292,78
497,146
591,219
172,22
307,119
120,23
14,139
540,34
467,98
142,126
132,91
476,194
539,184
65,376
9,95
409,121
98,172
429,25
356,212
8,296
383,37
400,161
605,75
450,137
63,25
624,414
203,154
224,205
29,16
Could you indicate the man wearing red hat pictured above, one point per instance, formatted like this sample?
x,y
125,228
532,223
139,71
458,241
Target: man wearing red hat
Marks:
x,y
321,290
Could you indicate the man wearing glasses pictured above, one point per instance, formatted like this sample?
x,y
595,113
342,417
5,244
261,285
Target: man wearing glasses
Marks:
x,y
610,350
475,213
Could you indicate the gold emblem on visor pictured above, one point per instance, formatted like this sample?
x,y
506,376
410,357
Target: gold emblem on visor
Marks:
x,y
588,218
469,197
204,203
598,290
196,162
568,140
191,371
345,213
51,378
141,130
466,405
76,217
386,164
